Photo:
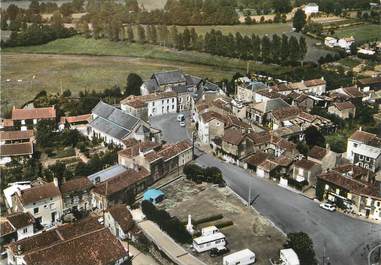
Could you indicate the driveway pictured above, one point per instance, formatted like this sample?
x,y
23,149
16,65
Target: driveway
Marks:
x,y
171,130
344,240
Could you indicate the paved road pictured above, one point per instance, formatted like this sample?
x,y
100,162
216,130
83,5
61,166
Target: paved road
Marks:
x,y
345,239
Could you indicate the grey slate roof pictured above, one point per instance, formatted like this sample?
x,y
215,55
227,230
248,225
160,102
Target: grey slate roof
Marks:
x,y
113,121
169,77
180,88
255,86
109,128
151,85
192,80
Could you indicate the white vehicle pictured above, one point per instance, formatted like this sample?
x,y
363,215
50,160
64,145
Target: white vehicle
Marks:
x,y
289,257
209,230
328,206
243,257
182,123
205,243
181,117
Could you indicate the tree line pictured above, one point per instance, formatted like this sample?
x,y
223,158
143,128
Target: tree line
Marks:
x,y
274,49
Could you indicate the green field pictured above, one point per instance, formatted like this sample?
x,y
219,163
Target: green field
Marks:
x,y
361,33
82,46
71,64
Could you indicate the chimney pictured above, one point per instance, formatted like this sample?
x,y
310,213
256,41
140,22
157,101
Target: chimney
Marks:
x,y
360,129
322,78
55,181
327,147
302,81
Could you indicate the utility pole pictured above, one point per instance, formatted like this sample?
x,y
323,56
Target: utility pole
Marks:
x,y
249,200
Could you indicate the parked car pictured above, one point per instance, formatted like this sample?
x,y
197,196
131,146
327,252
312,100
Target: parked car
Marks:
x,y
182,124
328,206
218,251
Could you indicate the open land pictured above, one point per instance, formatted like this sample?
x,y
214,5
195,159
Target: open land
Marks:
x,y
249,229
80,73
360,33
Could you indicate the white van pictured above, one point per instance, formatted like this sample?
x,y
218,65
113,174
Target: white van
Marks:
x,y
205,243
243,257
181,117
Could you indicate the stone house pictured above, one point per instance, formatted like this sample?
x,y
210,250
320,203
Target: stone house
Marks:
x,y
324,156
74,243
353,188
364,150
42,201
118,220
27,118
344,110
15,226
76,195
306,170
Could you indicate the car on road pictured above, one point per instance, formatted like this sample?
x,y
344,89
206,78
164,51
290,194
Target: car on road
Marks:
x,y
182,124
218,251
328,206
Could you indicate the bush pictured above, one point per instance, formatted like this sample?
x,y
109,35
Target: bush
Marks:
x,y
302,244
208,219
224,224
171,225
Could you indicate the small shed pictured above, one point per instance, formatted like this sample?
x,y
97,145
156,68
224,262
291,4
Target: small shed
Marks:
x,y
153,195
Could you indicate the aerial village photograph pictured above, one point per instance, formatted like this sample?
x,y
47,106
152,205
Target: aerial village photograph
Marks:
x,y
190,132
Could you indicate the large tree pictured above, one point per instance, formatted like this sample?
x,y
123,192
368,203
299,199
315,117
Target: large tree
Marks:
x,y
303,246
134,81
314,137
299,20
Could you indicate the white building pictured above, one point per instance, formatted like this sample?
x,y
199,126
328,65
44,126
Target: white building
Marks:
x,y
345,43
311,8
114,126
330,42
156,103
364,150
43,202
118,220
16,226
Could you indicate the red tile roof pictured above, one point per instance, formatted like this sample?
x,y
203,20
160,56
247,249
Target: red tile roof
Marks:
x,y
350,184
40,192
16,149
175,149
8,123
344,105
51,237
370,81
305,164
75,119
362,136
210,115
122,216
96,247
16,135
353,91
315,82
233,136
20,220
121,182
36,113
286,113
76,184
6,227
318,152
257,158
